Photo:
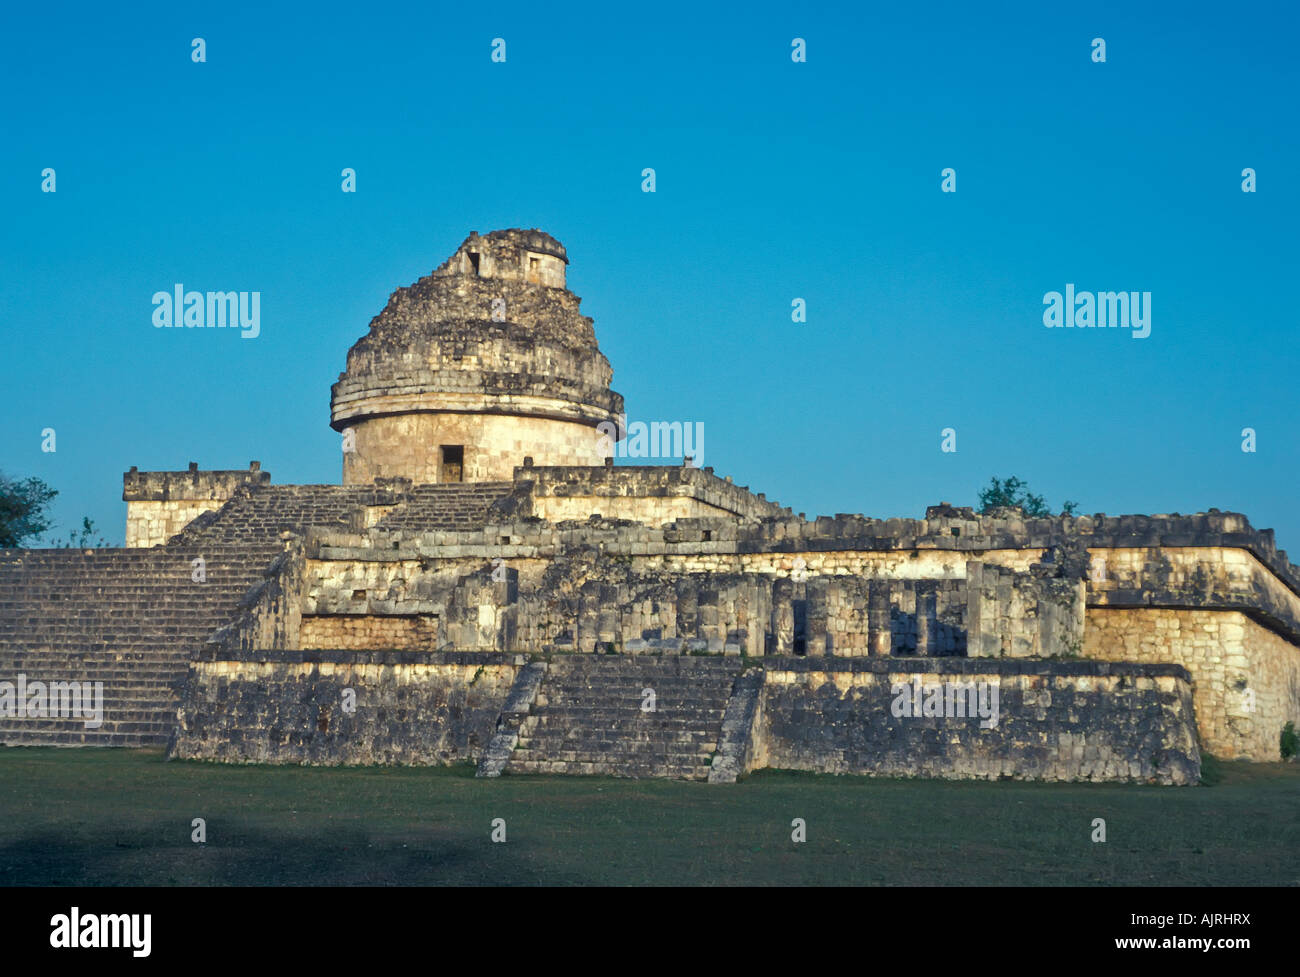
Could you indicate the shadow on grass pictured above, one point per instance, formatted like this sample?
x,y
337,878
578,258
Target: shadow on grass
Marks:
x,y
247,857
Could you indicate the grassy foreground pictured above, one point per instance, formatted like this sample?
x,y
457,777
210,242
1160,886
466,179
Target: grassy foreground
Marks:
x,y
123,817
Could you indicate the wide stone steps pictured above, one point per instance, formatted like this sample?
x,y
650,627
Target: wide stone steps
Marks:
x,y
260,514
128,618
661,767
445,507
631,720
587,717
72,734
593,728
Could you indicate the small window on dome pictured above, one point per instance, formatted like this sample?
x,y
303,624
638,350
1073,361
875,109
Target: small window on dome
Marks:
x,y
534,268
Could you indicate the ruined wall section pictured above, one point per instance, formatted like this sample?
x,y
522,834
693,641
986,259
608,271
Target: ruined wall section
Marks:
x,y
1211,576
650,494
1069,721
1246,678
160,504
342,707
269,615
1037,614
532,586
524,584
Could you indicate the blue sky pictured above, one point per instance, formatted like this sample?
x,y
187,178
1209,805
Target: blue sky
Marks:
x,y
775,180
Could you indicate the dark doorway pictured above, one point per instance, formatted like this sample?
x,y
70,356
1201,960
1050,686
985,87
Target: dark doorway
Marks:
x,y
800,626
473,261
453,463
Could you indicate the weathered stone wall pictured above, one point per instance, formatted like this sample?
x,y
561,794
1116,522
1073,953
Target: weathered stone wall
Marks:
x,y
342,707
1194,576
585,602
409,445
651,494
153,523
651,511
1246,678
1054,721
160,504
270,613
411,632
1049,721
1039,614
516,255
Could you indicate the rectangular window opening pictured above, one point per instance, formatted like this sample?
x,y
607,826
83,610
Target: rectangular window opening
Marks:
x,y
453,463
800,608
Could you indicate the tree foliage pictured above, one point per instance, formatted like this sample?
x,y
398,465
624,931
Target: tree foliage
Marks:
x,y
1013,492
23,509
24,516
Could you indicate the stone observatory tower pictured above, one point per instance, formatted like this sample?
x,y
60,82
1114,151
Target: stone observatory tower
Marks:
x,y
473,368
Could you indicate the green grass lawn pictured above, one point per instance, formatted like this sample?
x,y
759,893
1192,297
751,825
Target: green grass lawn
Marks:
x,y
122,817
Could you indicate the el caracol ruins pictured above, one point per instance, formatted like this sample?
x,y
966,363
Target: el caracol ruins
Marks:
x,y
486,586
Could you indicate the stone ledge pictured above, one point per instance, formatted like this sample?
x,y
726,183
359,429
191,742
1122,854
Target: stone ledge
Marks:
x,y
357,657
895,664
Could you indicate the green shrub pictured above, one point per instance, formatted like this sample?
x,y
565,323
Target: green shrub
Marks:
x,y
1290,741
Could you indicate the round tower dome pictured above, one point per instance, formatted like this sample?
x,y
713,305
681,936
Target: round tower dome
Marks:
x,y
474,367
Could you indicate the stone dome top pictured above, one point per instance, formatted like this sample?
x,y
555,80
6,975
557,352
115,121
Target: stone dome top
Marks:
x,y
515,239
493,329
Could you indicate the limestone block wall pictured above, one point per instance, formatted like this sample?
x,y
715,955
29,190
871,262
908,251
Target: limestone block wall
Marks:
x,y
409,445
1048,721
407,632
586,601
374,586
523,256
153,523
1193,576
1022,615
1246,678
916,564
1214,558
651,494
1054,720
651,511
160,504
342,707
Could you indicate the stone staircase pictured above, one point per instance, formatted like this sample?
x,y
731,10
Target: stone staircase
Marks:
x,y
458,506
129,618
587,716
258,515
